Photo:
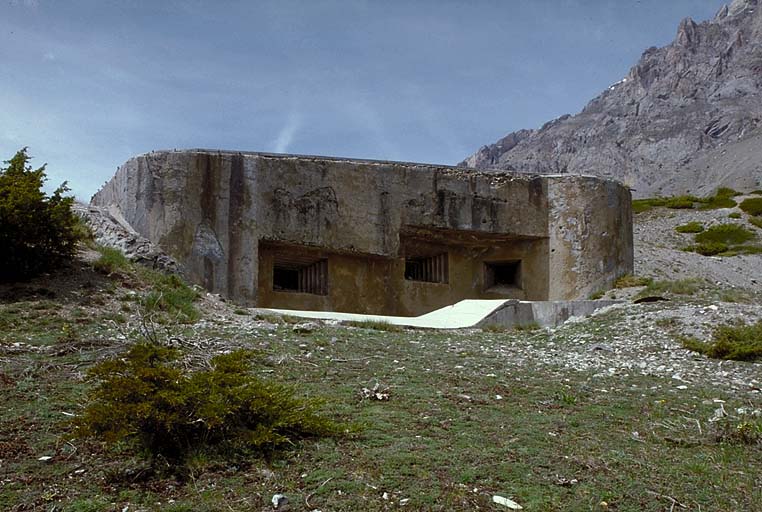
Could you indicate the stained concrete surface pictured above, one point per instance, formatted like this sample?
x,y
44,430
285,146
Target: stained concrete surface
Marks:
x,y
472,313
227,216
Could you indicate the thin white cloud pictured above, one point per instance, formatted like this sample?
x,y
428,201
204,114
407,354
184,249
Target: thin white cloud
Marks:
x,y
368,119
32,4
286,134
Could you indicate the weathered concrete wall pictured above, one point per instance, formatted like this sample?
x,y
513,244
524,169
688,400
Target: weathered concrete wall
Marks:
x,y
363,284
548,313
590,230
212,211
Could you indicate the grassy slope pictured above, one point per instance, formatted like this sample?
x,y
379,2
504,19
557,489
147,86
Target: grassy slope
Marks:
x,y
442,441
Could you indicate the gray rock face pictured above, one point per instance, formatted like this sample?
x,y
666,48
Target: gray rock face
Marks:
x,y
687,117
111,230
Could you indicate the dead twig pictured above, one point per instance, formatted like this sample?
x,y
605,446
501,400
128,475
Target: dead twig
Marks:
x,y
672,500
307,498
305,362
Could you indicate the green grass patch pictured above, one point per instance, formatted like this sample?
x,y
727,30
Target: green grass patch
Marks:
x,y
708,248
721,199
739,342
528,327
643,205
747,249
724,240
465,410
111,260
684,202
717,202
629,281
171,298
726,192
734,215
677,202
756,221
83,232
168,297
752,206
679,287
376,325
725,233
691,227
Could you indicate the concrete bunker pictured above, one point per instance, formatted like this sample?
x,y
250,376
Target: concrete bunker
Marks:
x,y
319,233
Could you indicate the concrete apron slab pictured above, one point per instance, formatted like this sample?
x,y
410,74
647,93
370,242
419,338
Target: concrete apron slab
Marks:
x,y
473,313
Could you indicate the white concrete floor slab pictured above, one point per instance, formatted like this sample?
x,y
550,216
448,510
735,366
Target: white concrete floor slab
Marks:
x,y
466,313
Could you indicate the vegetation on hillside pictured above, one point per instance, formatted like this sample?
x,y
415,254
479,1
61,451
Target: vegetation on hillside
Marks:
x,y
37,232
724,240
690,227
723,198
740,342
752,206
678,287
145,398
629,280
474,414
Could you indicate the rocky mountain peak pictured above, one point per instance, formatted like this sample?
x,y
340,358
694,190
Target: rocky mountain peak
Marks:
x,y
687,33
740,6
686,118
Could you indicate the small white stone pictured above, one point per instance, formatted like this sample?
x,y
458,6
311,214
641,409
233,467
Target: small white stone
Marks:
x,y
506,502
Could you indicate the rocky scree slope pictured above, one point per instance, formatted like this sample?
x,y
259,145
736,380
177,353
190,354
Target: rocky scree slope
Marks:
x,y
686,118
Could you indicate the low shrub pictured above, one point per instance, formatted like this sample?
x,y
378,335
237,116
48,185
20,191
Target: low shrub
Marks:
x,y
734,215
743,430
740,342
691,227
756,221
145,399
752,206
37,232
725,233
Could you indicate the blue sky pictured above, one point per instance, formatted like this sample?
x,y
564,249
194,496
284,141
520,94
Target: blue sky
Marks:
x,y
88,83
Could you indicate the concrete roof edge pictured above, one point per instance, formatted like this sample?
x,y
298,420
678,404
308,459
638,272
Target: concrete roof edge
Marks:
x,y
480,172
